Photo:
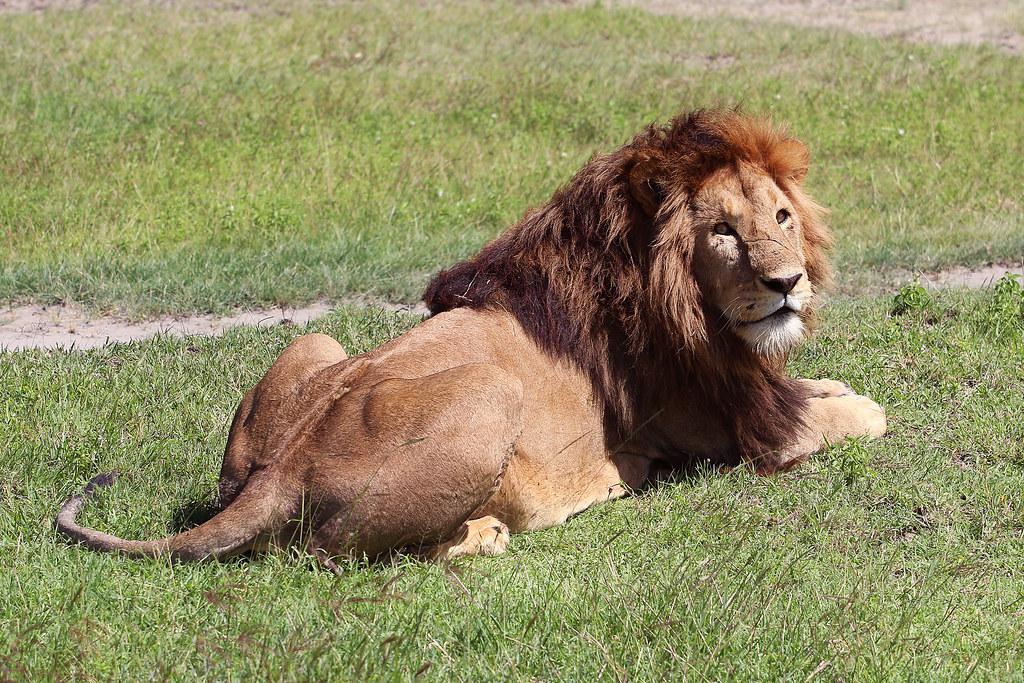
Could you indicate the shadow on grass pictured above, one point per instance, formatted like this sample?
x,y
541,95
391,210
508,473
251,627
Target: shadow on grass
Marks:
x,y
192,514
688,470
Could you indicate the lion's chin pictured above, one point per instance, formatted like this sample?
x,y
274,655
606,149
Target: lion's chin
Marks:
x,y
773,336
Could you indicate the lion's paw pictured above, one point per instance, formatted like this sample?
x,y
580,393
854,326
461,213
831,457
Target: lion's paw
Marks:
x,y
838,417
823,388
494,538
872,415
483,536
850,415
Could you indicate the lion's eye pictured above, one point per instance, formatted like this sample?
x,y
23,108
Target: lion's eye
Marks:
x,y
723,228
782,216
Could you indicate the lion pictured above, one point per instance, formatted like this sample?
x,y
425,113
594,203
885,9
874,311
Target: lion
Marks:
x,y
638,321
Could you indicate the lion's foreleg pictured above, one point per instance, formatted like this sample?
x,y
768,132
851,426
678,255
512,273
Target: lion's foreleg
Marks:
x,y
837,413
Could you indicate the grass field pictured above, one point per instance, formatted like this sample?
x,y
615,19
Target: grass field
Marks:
x,y
901,559
165,158
175,158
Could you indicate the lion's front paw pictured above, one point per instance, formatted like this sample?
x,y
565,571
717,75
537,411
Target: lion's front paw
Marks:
x,y
822,388
830,419
837,417
872,415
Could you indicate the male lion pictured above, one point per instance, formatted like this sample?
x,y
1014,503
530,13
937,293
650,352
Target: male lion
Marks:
x,y
640,319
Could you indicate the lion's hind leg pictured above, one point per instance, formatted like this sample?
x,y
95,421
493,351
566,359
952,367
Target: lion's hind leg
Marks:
x,y
425,455
480,536
487,536
270,405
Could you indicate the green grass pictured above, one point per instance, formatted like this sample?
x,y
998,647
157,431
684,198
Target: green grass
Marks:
x,y
174,158
901,559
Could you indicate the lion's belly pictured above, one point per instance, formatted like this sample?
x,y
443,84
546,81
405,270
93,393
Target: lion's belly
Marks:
x,y
561,466
536,495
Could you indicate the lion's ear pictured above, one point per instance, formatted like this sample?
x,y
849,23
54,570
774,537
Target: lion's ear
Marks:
x,y
791,159
644,185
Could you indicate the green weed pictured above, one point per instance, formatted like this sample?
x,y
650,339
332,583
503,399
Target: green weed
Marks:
x,y
1006,307
910,297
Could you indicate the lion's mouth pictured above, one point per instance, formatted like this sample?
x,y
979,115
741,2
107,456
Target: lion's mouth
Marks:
x,y
779,314
776,332
789,306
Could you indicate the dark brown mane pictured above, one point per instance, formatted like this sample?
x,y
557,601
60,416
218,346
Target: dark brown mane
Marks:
x,y
590,279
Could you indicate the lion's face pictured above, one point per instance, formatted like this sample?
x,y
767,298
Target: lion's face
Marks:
x,y
749,258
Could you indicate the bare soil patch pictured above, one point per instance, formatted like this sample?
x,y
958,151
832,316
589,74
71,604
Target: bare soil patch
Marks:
x,y
70,327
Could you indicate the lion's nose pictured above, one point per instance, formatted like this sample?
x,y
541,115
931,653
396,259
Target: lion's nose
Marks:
x,y
782,285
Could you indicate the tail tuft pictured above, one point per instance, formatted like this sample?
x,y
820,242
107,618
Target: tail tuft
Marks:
x,y
66,523
100,481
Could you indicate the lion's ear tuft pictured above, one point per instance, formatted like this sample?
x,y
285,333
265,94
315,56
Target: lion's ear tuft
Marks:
x,y
790,159
645,184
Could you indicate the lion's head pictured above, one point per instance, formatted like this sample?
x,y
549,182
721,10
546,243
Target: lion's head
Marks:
x,y
687,260
734,234
749,257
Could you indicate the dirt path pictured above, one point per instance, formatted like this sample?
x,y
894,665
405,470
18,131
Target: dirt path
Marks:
x,y
70,327
999,22
946,22
972,278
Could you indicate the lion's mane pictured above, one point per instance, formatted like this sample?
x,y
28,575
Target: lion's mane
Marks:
x,y
594,278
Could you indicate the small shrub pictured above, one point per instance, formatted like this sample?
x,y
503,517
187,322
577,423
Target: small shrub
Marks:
x,y
1005,310
851,460
911,297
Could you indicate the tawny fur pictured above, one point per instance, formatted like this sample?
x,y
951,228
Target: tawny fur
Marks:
x,y
638,320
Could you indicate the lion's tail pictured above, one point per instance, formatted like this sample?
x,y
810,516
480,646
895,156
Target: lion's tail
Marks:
x,y
260,507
